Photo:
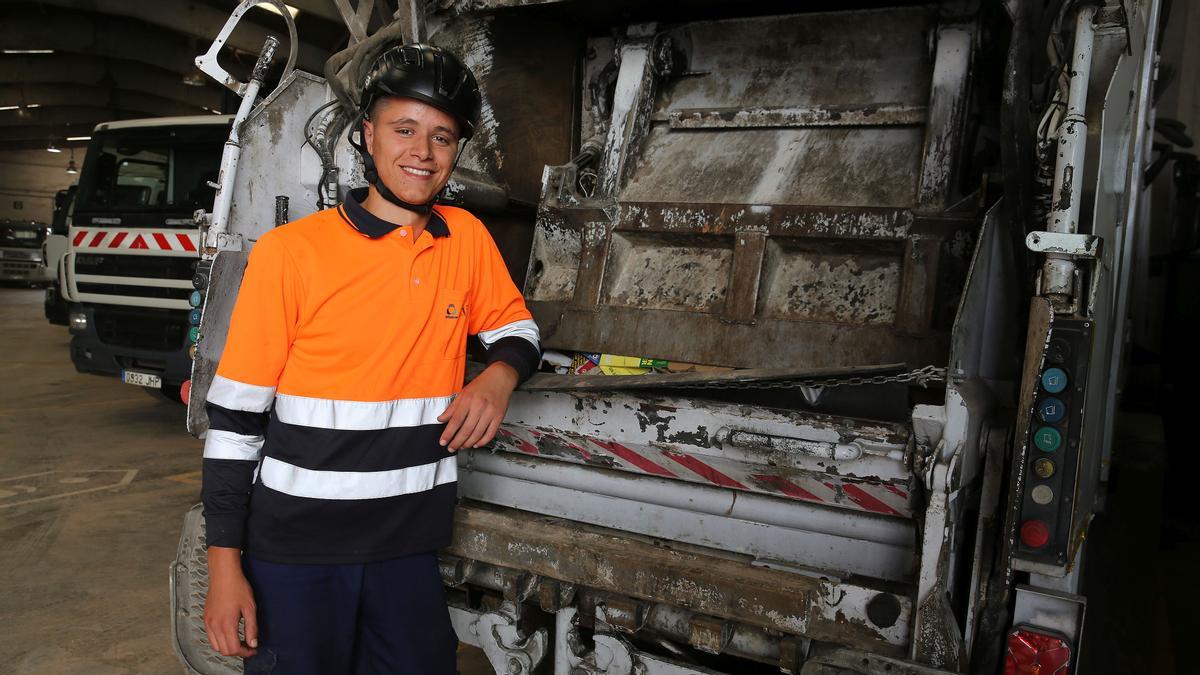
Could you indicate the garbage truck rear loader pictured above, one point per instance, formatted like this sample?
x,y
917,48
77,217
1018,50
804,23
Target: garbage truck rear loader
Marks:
x,y
886,269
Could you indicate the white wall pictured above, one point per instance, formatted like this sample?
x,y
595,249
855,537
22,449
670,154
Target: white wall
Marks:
x,y
31,177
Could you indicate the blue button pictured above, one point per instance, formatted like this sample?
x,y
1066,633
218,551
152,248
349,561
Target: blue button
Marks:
x,y
196,299
1054,380
1051,410
194,317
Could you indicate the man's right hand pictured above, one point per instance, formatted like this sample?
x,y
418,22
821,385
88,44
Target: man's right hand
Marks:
x,y
230,600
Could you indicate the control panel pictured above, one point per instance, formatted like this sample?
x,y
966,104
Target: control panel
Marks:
x,y
1052,459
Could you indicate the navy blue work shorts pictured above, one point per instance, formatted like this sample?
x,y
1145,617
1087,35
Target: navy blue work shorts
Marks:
x,y
370,619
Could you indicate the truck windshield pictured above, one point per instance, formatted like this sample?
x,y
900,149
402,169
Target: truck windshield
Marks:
x,y
151,169
21,234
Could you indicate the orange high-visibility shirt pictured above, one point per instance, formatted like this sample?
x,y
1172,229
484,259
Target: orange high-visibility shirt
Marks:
x,y
347,341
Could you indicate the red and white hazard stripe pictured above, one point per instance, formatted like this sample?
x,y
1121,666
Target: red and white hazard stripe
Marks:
x,y
118,239
880,498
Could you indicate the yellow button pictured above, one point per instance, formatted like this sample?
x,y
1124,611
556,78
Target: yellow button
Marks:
x,y
1044,468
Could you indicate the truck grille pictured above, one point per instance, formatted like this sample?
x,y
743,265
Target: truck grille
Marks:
x,y
18,268
159,330
134,291
153,267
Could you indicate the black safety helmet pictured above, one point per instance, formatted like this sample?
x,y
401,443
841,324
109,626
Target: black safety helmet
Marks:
x,y
428,74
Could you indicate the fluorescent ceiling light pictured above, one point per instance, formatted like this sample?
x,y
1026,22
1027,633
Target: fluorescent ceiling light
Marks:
x,y
79,138
275,10
28,51
18,107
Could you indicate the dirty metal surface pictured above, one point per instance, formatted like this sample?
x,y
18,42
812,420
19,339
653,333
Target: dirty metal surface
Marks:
x,y
775,532
525,67
706,429
765,118
707,338
763,199
831,166
941,156
224,281
787,70
718,586
816,60
709,379
278,123
712,283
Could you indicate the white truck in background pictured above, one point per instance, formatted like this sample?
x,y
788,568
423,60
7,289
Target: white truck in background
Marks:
x,y
54,249
21,258
133,247
908,250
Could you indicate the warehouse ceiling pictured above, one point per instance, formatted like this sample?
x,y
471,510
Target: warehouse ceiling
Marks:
x,y
67,65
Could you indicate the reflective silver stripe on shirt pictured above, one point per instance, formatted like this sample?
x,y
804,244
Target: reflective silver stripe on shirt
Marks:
x,y
228,445
236,395
525,328
359,415
346,485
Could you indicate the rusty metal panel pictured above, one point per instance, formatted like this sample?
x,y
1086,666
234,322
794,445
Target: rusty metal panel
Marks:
x,y
718,585
696,278
827,116
829,68
840,281
836,166
800,455
708,338
526,70
757,186
819,59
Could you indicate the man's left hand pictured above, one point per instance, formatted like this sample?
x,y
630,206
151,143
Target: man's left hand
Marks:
x,y
476,413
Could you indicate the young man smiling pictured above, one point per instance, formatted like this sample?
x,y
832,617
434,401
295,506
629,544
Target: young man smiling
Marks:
x,y
329,474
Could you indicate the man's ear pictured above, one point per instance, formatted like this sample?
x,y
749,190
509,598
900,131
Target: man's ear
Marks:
x,y
368,131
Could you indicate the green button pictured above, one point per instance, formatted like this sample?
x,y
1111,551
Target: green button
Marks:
x,y
194,334
1047,439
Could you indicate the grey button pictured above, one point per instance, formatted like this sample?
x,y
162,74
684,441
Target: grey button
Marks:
x,y
1042,494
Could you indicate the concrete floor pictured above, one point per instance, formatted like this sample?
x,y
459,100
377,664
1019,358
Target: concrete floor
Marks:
x,y
95,477
84,564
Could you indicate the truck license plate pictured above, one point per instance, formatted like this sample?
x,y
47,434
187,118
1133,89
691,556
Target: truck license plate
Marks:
x,y
141,379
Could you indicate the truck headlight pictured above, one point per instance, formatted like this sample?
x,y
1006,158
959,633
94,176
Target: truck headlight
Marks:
x,y
79,321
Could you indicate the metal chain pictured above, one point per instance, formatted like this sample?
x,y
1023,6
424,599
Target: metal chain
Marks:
x,y
921,376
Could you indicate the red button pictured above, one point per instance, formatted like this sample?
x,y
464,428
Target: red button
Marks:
x,y
185,391
1034,534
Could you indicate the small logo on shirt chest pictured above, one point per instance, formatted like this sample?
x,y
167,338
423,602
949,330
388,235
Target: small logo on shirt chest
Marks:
x,y
453,311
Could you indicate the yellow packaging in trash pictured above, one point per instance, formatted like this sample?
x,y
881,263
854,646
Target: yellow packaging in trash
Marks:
x,y
613,364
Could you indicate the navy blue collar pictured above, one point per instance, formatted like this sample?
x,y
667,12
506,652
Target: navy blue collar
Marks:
x,y
375,227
